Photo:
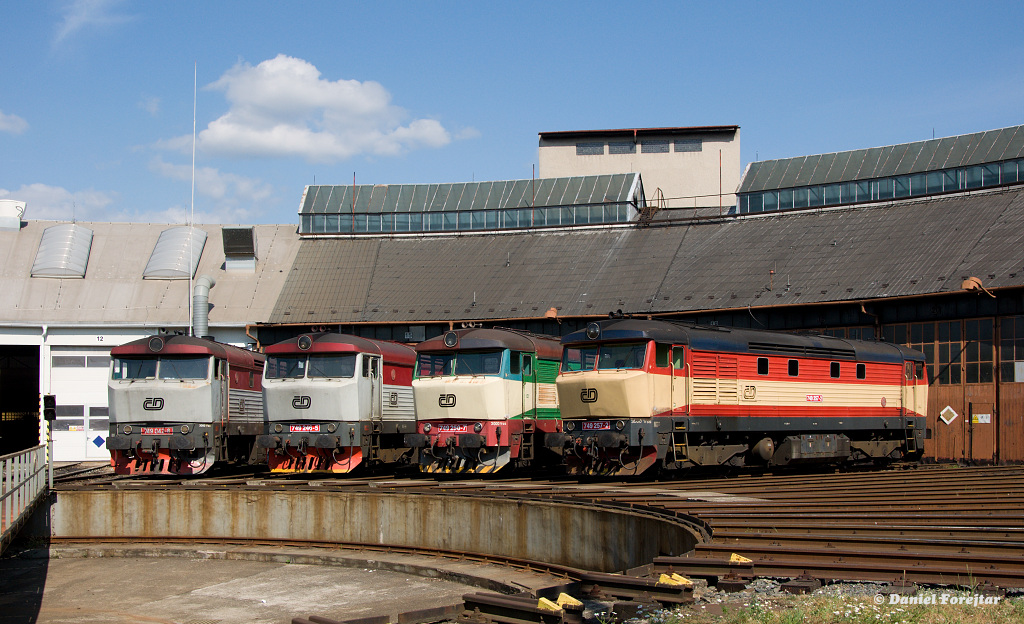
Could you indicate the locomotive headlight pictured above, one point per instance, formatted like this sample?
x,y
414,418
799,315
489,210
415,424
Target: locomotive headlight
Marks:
x,y
619,425
593,331
426,428
451,339
278,428
570,425
331,428
477,428
126,429
185,429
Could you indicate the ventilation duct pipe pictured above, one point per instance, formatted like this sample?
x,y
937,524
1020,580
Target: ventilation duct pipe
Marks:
x,y
201,306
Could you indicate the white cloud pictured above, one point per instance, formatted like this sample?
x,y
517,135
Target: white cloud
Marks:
x,y
284,108
45,202
79,15
150,104
213,183
12,124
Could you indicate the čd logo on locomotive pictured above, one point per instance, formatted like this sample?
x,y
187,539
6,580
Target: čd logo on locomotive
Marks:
x,y
588,395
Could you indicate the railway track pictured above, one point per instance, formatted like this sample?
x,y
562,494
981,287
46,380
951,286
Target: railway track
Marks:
x,y
935,525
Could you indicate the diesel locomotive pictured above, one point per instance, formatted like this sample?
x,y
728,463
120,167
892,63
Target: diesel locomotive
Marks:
x,y
180,404
636,394
485,399
335,402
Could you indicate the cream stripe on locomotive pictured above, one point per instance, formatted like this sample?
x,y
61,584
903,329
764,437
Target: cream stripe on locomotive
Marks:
x,y
479,398
627,394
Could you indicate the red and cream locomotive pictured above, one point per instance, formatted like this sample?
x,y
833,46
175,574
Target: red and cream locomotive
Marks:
x,y
180,404
640,393
335,402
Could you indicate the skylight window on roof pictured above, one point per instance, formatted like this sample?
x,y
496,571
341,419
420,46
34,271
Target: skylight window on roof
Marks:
x,y
176,248
63,252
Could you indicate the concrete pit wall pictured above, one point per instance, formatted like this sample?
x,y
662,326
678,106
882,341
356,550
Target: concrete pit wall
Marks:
x,y
579,536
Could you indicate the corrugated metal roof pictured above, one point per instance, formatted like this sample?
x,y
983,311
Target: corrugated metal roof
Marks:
x,y
462,196
880,162
63,251
909,248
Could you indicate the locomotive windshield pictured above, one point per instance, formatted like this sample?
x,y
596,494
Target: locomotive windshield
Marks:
x,y
614,356
124,368
160,368
285,367
332,366
462,363
184,367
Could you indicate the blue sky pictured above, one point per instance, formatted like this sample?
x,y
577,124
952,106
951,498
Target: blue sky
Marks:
x,y
96,96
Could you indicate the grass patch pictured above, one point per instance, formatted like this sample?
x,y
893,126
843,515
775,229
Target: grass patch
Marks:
x,y
859,609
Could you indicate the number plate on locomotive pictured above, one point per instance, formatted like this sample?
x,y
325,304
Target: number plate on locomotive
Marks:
x,y
157,430
596,426
815,398
304,428
453,428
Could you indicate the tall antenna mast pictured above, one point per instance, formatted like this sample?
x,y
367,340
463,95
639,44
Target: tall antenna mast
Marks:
x,y
192,201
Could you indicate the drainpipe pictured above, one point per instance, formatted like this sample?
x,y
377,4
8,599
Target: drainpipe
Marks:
x,y
201,306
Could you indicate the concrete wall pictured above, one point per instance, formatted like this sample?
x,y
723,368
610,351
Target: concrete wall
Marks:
x,y
579,536
687,179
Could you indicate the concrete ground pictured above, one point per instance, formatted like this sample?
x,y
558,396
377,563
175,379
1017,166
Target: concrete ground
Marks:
x,y
216,585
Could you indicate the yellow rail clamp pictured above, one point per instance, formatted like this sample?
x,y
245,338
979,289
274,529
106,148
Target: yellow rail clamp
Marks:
x,y
682,579
547,605
739,559
565,600
665,579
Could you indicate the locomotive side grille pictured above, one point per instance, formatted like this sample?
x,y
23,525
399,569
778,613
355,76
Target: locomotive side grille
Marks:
x,y
714,379
782,349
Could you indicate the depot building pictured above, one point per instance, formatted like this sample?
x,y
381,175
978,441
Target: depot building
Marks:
x,y
917,243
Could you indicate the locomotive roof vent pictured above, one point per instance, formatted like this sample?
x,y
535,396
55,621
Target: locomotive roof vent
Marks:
x,y
305,342
593,331
451,339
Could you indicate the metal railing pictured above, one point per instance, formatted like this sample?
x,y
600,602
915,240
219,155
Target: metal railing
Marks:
x,y
22,485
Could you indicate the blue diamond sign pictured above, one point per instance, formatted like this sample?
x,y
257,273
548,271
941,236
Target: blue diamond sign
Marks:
x,y
98,441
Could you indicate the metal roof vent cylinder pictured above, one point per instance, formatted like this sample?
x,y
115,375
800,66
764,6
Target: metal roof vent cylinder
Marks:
x,y
201,306
11,212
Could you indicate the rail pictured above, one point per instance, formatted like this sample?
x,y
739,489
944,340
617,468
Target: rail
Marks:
x,y
22,485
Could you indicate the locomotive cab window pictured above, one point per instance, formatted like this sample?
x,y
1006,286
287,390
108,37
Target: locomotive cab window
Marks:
x,y
578,358
434,364
184,368
661,353
133,369
513,363
862,371
794,368
527,365
677,358
619,356
908,369
762,366
332,366
285,367
833,370
478,363
919,370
